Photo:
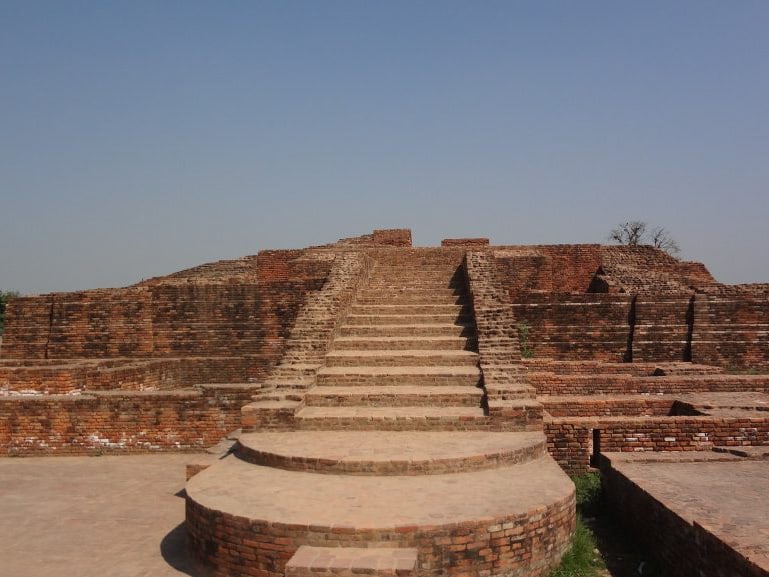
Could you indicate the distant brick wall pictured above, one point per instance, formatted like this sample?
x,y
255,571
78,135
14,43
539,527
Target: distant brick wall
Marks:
x,y
731,328
661,331
465,242
168,320
559,268
576,326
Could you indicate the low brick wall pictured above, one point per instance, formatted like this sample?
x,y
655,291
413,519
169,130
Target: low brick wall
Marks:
x,y
120,421
608,407
682,548
66,377
619,384
570,439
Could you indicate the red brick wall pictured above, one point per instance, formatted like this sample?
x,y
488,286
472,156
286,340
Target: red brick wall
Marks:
x,y
570,438
120,421
168,320
661,329
576,326
465,242
559,268
732,328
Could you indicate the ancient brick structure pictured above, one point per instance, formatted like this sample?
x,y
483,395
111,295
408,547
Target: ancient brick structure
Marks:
x,y
450,382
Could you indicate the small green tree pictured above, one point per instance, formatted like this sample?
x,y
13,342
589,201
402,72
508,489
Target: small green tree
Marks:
x,y
5,296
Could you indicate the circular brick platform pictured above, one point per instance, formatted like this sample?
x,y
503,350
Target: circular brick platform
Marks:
x,y
246,519
396,453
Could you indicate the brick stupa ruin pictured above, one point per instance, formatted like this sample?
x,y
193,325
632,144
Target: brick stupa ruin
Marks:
x,y
399,410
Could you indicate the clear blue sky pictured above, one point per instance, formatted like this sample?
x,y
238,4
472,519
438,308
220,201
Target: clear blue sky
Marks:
x,y
138,138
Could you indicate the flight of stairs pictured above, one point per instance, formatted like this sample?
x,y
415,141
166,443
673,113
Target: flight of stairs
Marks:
x,y
390,461
403,358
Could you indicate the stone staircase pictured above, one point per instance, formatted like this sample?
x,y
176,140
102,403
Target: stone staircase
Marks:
x,y
412,368
388,461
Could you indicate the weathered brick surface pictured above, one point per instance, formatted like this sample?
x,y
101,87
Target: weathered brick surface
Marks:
x,y
731,327
120,421
168,319
576,326
525,544
570,438
678,545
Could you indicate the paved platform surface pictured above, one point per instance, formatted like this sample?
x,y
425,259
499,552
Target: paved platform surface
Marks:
x,y
382,503
729,499
93,516
397,452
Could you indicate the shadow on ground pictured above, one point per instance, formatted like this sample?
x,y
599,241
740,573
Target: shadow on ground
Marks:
x,y
173,548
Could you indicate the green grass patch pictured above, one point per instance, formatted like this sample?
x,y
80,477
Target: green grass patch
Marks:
x,y
582,558
588,493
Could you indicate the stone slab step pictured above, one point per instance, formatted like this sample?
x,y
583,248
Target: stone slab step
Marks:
x,y
434,343
349,561
409,319
401,358
394,396
375,376
391,418
391,453
409,309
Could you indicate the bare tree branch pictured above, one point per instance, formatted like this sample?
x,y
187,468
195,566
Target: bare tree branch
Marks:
x,y
635,232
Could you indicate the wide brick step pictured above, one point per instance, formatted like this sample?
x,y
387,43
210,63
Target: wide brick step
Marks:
x,y
394,453
394,396
408,330
267,513
403,343
410,309
400,358
349,561
414,272
391,418
373,376
438,295
410,319
390,285
410,299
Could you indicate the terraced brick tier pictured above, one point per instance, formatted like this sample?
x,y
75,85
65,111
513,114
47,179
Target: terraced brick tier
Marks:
x,y
374,376
435,343
391,453
401,358
245,519
394,396
414,330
